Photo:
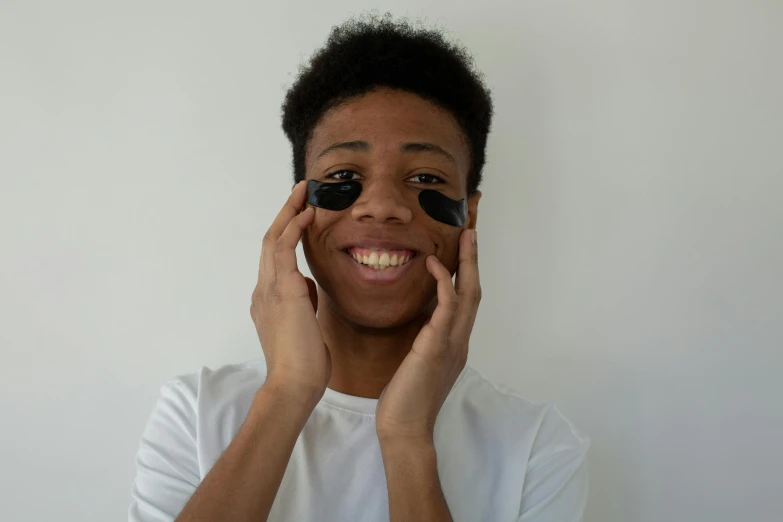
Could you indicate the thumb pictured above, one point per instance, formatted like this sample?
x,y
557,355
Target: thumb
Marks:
x,y
313,293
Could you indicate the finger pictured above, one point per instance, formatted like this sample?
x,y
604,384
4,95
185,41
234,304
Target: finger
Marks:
x,y
292,207
443,315
467,287
285,247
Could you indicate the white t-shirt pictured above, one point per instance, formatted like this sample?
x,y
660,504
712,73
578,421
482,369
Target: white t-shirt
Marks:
x,y
500,457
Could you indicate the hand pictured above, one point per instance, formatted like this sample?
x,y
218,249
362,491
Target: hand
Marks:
x,y
410,403
283,307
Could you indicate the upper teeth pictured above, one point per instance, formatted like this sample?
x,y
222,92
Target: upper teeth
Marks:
x,y
381,260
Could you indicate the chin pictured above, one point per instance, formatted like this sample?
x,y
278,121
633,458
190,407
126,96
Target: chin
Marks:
x,y
374,317
381,319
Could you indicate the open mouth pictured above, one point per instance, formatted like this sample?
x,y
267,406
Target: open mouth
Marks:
x,y
381,260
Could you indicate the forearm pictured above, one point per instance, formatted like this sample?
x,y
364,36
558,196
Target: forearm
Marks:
x,y
412,479
243,483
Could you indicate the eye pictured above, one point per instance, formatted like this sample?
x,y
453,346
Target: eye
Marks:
x,y
428,176
340,178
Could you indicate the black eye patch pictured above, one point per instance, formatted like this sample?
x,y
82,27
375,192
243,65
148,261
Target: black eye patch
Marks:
x,y
444,209
341,195
333,196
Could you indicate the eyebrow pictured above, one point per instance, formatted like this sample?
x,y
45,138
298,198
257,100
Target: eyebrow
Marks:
x,y
363,146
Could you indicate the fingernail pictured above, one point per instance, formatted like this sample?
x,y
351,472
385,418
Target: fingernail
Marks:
x,y
474,237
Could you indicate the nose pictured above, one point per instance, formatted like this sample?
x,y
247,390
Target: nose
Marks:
x,y
383,199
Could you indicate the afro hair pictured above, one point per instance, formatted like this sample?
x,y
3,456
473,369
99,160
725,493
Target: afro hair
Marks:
x,y
370,52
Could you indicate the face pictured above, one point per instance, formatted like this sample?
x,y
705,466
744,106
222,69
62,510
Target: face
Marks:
x,y
387,216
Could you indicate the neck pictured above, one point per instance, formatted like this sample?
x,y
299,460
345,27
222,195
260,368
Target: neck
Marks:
x,y
364,359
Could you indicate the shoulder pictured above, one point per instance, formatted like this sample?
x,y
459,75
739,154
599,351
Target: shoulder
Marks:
x,y
228,381
540,427
214,398
195,417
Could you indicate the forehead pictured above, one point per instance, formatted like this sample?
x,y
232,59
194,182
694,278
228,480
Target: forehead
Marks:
x,y
386,118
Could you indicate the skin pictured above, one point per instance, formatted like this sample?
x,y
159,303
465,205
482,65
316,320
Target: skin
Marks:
x,y
404,343
370,333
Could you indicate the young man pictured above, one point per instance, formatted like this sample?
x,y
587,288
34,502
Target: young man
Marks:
x,y
363,408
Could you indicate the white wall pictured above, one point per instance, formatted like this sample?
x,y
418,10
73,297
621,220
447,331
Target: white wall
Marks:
x,y
631,232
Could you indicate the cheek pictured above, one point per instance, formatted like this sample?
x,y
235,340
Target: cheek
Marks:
x,y
321,222
315,236
448,247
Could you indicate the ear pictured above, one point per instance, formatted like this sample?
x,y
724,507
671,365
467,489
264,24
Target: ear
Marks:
x,y
473,201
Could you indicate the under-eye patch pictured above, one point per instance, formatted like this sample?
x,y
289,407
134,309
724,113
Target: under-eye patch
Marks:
x,y
341,195
444,209
333,196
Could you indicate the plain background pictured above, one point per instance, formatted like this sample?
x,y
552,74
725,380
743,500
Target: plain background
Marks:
x,y
630,231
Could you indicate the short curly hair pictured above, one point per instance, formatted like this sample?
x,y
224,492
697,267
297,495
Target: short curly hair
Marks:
x,y
370,52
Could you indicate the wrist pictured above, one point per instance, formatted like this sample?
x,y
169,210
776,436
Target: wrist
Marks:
x,y
416,447
292,390
410,436
297,401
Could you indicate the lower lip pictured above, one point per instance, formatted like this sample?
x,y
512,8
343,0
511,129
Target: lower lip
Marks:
x,y
370,275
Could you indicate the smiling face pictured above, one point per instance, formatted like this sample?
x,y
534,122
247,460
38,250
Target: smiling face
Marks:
x,y
396,144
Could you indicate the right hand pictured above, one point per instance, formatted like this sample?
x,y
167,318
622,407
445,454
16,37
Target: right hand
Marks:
x,y
283,308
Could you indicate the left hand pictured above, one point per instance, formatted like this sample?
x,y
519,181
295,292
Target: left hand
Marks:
x,y
410,403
